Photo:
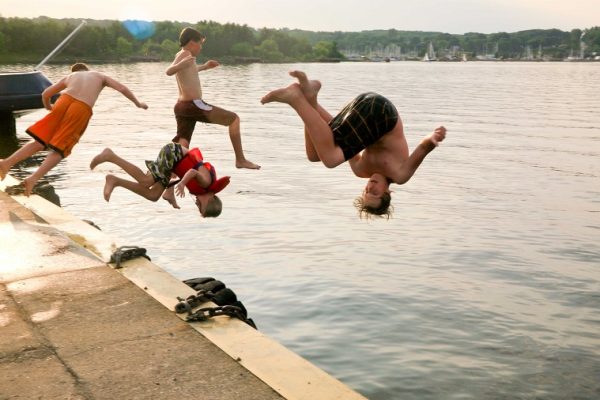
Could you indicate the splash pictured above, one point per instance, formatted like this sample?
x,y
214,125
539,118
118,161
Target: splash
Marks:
x,y
139,29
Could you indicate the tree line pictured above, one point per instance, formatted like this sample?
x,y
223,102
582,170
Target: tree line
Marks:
x,y
554,43
29,40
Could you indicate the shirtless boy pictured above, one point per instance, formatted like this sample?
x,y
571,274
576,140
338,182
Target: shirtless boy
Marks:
x,y
190,107
63,126
368,133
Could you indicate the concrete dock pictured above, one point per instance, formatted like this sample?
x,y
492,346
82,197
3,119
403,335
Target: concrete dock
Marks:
x,y
74,327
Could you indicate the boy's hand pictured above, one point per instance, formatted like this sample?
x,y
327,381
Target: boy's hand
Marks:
x,y
143,105
189,59
211,64
438,135
180,190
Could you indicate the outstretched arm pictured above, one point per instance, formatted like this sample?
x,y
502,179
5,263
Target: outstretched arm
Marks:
x,y
124,90
188,176
208,65
409,167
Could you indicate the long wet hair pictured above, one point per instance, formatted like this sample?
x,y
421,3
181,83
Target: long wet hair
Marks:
x,y
384,210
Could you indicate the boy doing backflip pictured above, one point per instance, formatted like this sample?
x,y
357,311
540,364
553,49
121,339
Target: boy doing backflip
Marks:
x,y
190,107
368,133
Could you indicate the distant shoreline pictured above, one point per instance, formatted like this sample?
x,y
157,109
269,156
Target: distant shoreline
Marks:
x,y
109,41
233,62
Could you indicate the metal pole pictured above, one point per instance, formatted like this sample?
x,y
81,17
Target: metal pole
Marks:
x,y
60,46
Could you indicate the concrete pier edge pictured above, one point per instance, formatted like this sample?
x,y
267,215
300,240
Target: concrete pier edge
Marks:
x,y
287,373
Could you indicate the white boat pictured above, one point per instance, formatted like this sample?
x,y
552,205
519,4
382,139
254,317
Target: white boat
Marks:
x,y
430,54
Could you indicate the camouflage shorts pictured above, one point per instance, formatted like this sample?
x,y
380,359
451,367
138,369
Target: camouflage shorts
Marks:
x,y
166,160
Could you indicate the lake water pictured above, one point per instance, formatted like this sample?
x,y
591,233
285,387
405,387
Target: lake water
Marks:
x,y
484,285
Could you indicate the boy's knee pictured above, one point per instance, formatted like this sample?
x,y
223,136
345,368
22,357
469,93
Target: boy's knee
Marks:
x,y
234,119
329,162
37,145
154,196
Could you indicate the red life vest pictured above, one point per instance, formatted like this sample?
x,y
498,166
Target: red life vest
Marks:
x,y
193,160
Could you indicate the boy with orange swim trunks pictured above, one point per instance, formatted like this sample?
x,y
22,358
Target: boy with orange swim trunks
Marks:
x,y
63,126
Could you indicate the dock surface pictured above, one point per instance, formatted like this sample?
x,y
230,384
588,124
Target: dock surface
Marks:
x,y
74,327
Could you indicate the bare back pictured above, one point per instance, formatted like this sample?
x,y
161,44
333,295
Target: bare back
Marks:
x,y
85,86
188,80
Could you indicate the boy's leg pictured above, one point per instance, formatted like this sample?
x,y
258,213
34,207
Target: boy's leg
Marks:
x,y
318,130
107,155
310,90
24,152
169,196
52,159
151,193
309,147
236,140
217,115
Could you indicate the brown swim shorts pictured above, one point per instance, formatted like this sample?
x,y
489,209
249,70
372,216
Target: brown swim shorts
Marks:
x,y
187,113
363,122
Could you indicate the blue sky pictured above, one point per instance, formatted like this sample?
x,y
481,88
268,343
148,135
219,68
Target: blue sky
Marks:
x,y
451,16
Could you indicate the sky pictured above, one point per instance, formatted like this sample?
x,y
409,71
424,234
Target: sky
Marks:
x,y
449,16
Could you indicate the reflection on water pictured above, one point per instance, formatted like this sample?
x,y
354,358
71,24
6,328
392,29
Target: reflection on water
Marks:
x,y
483,286
8,145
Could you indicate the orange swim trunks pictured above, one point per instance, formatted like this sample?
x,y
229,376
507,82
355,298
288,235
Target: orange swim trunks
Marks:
x,y
62,128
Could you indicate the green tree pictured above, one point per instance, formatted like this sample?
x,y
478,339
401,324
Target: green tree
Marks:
x,y
2,43
242,49
152,49
268,50
168,49
325,49
124,47
592,39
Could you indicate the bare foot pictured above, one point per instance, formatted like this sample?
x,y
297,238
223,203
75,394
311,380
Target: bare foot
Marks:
x,y
102,157
109,186
246,164
28,184
284,95
310,88
169,196
3,170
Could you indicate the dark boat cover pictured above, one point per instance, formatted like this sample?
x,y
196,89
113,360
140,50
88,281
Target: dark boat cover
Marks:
x,y
21,92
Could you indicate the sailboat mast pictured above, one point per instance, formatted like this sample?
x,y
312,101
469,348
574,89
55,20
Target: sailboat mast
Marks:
x,y
60,46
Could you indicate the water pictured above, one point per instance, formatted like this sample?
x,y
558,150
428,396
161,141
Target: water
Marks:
x,y
484,285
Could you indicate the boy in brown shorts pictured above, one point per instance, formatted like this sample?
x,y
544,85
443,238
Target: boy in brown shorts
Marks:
x,y
190,107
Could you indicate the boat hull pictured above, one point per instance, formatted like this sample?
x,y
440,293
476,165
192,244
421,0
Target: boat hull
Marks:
x,y
21,92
